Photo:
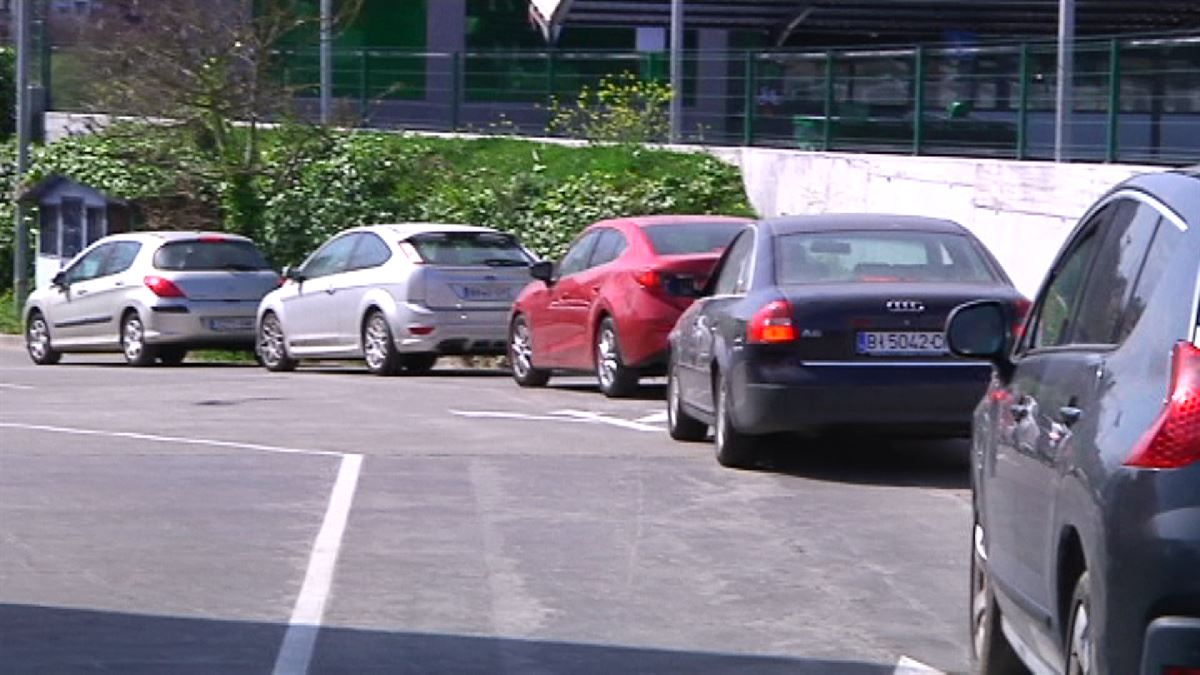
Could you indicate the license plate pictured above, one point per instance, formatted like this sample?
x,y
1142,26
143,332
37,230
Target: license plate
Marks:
x,y
892,343
485,292
230,325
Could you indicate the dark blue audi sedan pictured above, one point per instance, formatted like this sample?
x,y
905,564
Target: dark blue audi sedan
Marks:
x,y
1086,453
831,322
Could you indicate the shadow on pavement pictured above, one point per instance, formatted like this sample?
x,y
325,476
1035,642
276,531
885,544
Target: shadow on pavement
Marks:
x,y
62,640
646,392
941,464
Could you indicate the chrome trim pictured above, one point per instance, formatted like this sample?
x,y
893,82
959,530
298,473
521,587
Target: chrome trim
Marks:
x,y
1137,195
905,306
896,364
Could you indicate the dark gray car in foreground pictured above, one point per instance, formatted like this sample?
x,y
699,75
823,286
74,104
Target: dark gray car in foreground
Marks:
x,y
1086,454
831,322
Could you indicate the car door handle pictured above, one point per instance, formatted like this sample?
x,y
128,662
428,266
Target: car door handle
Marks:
x,y
1020,410
81,291
1069,415
331,290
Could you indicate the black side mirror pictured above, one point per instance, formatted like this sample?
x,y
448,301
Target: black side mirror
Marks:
x,y
293,274
682,287
982,330
542,271
59,280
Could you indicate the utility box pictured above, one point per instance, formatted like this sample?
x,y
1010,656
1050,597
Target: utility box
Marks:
x,y
71,217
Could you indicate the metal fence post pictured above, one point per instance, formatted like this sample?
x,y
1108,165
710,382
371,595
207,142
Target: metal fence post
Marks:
x,y
749,102
364,80
1023,102
918,99
455,89
551,65
1114,100
827,131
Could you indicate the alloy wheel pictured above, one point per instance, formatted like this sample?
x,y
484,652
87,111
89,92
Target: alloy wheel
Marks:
x,y
270,342
376,342
607,360
133,338
521,349
37,338
980,590
1080,658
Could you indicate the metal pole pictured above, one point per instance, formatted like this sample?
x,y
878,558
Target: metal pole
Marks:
x,y
1023,104
748,102
326,60
1114,101
24,123
676,70
1066,76
827,130
918,137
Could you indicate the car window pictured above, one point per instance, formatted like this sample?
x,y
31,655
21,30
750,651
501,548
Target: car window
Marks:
x,y
1165,243
1060,300
122,257
576,259
696,237
1110,284
609,247
469,249
877,256
372,251
90,265
735,272
209,254
331,258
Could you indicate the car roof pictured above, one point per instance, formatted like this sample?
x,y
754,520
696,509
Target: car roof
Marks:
x,y
167,236
845,222
646,221
405,230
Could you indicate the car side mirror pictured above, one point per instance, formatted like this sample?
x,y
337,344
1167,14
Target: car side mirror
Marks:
x,y
542,271
982,330
292,274
59,280
682,287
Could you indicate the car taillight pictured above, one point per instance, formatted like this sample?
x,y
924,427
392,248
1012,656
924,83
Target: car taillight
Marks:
x,y
1181,670
1174,440
648,278
772,324
212,239
163,288
1020,311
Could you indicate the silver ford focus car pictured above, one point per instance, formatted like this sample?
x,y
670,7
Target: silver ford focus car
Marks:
x,y
152,296
397,296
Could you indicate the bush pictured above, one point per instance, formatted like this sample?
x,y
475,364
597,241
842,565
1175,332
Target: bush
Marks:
x,y
8,92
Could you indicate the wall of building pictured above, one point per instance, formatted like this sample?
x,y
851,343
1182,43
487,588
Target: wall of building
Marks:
x,y
1023,211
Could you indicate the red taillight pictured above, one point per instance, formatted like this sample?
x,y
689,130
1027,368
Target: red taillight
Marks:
x,y
1180,670
648,278
1021,310
1174,440
420,330
212,239
772,324
163,288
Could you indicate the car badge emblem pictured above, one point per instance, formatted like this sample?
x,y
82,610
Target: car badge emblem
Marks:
x,y
905,306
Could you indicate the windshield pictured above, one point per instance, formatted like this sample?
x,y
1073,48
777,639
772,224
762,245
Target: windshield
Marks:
x,y
685,238
207,255
833,257
470,249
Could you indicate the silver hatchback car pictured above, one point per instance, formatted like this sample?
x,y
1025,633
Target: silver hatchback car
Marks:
x,y
152,296
398,296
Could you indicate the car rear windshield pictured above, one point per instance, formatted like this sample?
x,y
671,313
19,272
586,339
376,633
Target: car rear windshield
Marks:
x,y
920,257
685,238
469,249
197,255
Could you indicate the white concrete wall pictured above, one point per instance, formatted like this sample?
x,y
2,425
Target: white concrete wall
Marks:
x,y
1023,211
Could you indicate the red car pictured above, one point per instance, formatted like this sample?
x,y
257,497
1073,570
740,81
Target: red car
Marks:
x,y
605,308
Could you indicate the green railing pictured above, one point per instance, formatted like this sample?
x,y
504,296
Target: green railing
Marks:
x,y
1134,100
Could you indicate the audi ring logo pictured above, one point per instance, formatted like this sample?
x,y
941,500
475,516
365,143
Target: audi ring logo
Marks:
x,y
906,306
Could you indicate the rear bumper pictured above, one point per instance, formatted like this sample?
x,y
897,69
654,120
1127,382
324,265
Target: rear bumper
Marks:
x,y
1171,641
455,332
200,323
935,399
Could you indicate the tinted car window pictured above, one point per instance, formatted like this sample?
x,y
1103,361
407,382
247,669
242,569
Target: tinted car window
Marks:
x,y
685,238
469,249
371,252
1061,298
197,255
735,272
576,259
1166,242
123,255
331,258
609,247
90,265
1119,260
837,257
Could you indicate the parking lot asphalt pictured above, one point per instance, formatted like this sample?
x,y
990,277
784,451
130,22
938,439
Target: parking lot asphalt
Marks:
x,y
205,518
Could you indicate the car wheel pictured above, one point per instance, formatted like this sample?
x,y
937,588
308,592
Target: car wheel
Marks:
x,y
133,342
991,654
681,426
1081,653
172,356
37,341
379,349
271,345
616,380
735,449
520,356
418,364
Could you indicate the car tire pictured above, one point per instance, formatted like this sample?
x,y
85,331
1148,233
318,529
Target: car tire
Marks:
x,y
418,364
270,347
616,380
379,349
1081,645
991,653
520,355
735,450
37,341
172,356
133,341
681,426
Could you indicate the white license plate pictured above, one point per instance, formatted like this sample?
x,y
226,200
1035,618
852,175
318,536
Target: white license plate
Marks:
x,y
891,343
231,325
485,292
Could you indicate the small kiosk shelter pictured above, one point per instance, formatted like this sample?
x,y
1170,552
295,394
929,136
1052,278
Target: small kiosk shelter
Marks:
x,y
71,217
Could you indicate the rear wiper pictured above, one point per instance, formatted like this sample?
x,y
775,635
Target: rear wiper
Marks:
x,y
504,262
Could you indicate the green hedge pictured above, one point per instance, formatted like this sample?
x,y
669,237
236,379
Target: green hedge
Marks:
x,y
543,193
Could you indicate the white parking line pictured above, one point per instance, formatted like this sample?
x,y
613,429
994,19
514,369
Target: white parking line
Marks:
x,y
907,666
605,419
301,638
571,416
170,439
653,418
